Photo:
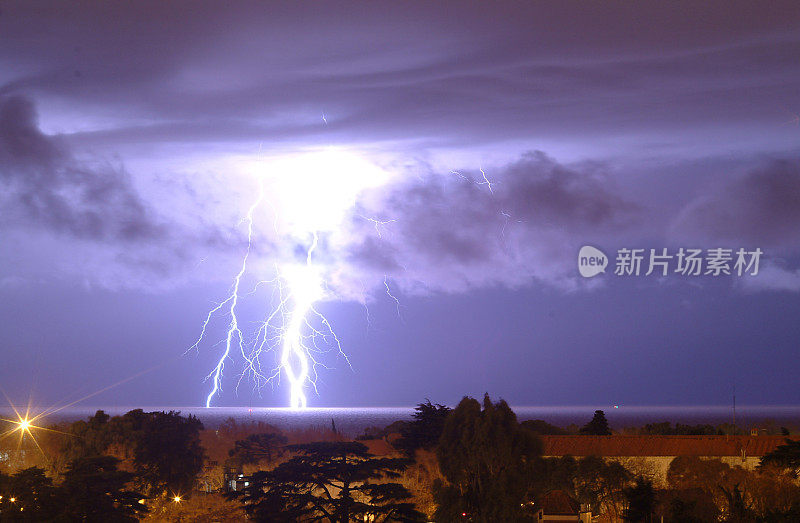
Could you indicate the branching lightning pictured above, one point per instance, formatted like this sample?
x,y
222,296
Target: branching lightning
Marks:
x,y
315,192
392,296
378,224
232,300
294,328
486,181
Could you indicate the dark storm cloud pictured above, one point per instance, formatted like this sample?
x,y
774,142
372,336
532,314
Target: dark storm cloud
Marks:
x,y
45,186
159,82
446,74
452,232
761,208
758,210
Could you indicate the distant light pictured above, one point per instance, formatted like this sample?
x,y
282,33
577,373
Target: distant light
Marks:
x,y
24,424
616,406
176,499
12,500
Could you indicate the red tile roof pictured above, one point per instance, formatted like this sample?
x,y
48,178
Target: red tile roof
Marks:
x,y
559,503
624,445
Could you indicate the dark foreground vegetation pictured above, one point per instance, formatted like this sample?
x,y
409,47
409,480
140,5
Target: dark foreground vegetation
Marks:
x,y
475,462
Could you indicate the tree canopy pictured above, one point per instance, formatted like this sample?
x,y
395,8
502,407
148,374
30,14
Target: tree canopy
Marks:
x,y
339,482
167,454
786,456
93,489
542,428
257,447
164,447
425,430
598,426
486,457
97,491
641,500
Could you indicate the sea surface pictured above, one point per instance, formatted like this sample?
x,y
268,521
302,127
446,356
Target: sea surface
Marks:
x,y
353,421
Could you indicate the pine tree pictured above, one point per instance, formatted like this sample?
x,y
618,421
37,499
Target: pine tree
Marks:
x,y
330,481
598,426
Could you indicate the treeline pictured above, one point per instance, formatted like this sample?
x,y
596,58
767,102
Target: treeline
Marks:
x,y
104,469
475,462
492,470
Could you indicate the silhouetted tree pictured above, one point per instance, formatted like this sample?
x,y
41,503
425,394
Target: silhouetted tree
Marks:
x,y
641,501
601,484
91,437
542,428
785,456
486,458
94,490
167,455
164,447
257,447
693,505
425,430
35,497
598,426
665,428
330,481
553,474
686,472
738,509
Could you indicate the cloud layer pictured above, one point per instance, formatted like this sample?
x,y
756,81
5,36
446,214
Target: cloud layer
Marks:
x,y
44,186
610,93
524,221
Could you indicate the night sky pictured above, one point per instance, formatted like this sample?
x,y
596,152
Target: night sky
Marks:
x,y
476,148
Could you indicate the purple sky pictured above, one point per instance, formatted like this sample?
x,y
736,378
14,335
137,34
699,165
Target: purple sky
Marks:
x,y
129,136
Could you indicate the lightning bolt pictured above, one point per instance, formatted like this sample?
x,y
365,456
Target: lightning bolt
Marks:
x,y
294,328
378,224
486,181
485,178
392,296
232,301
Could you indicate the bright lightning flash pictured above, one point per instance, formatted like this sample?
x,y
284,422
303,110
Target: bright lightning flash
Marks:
x,y
305,286
314,193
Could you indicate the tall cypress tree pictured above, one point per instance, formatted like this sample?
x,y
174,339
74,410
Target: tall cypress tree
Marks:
x,y
486,458
598,426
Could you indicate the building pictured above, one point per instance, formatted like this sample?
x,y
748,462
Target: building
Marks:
x,y
557,505
652,455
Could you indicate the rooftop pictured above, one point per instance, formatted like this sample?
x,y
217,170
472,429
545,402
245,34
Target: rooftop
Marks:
x,y
559,503
625,445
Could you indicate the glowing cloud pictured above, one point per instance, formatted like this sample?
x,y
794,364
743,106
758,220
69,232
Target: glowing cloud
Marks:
x,y
310,194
